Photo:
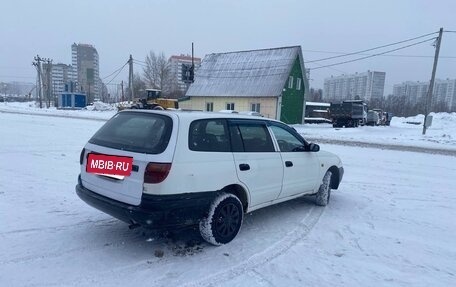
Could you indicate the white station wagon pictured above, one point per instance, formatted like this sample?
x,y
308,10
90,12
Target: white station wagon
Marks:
x,y
165,169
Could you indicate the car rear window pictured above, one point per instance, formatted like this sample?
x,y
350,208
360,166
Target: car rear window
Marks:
x,y
136,132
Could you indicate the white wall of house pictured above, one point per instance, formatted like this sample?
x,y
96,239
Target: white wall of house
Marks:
x,y
268,106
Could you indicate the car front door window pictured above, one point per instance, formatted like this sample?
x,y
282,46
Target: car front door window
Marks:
x,y
287,141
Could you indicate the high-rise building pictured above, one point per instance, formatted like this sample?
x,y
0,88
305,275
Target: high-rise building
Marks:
x,y
368,86
414,92
85,62
61,75
444,92
180,66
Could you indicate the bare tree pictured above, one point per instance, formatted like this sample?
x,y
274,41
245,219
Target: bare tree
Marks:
x,y
157,72
139,85
315,95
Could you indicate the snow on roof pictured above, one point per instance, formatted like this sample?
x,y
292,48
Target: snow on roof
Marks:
x,y
255,73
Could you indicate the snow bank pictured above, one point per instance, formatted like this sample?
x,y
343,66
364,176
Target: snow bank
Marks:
x,y
403,131
100,106
98,111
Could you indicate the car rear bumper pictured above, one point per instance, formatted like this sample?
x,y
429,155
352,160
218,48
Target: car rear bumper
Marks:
x,y
154,211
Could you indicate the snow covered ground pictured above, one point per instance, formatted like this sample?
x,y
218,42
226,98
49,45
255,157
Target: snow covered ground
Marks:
x,y
402,132
391,223
97,111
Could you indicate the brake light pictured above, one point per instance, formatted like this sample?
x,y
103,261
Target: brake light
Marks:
x,y
156,172
81,157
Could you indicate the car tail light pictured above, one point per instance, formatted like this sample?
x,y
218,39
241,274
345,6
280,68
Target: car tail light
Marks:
x,y
156,172
81,157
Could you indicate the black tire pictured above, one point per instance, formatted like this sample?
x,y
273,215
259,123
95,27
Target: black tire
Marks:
x,y
224,220
324,192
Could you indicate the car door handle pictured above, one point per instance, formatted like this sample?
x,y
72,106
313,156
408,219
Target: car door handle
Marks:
x,y
288,163
244,166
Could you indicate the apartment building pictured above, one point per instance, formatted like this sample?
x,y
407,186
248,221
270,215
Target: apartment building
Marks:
x,y
61,74
85,64
415,92
367,86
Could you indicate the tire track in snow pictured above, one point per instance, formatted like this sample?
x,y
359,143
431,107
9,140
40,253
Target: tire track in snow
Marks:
x,y
269,254
103,222
31,113
60,252
385,146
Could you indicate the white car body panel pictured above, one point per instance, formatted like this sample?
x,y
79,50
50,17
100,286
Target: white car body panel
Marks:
x,y
263,165
196,171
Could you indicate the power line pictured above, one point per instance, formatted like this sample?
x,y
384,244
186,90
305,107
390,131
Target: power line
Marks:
x,y
320,67
374,55
139,61
366,54
140,64
337,70
115,71
375,48
117,74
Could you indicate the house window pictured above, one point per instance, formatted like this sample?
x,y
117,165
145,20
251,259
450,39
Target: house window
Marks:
x,y
210,107
230,106
298,83
255,107
290,82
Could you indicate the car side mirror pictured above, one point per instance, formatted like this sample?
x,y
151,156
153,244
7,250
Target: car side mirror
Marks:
x,y
314,147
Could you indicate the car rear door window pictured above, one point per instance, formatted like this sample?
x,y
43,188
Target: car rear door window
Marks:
x,y
136,132
209,135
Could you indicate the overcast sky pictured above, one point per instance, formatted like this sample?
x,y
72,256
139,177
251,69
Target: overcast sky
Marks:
x,y
120,28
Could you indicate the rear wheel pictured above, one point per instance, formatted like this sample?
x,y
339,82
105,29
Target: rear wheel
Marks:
x,y
324,192
223,221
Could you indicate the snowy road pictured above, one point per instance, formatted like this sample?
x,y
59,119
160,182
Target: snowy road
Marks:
x,y
391,223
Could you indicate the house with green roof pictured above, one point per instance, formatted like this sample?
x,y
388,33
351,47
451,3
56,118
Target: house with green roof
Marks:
x,y
269,81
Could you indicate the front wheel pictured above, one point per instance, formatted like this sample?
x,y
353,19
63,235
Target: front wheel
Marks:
x,y
223,221
324,192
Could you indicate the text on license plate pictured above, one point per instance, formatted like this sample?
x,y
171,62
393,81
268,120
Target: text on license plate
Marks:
x,y
109,164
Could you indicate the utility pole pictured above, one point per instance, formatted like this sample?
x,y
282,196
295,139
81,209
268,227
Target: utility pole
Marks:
x,y
192,71
48,75
37,64
428,100
130,77
40,76
121,85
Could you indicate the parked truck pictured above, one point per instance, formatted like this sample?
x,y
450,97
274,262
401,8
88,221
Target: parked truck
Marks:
x,y
348,113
